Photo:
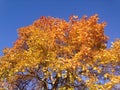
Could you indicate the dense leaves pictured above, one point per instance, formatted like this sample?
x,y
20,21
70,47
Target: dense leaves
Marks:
x,y
61,55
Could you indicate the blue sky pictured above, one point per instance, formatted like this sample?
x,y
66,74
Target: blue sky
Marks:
x,y
19,13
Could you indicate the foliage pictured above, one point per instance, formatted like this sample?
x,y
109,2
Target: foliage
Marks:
x,y
61,55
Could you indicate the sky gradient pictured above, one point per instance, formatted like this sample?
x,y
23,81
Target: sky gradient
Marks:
x,y
15,14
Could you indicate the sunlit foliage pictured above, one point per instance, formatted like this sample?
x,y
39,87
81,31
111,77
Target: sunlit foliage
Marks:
x,y
61,55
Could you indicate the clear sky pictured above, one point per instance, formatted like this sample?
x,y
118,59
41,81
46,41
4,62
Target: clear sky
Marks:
x,y
19,13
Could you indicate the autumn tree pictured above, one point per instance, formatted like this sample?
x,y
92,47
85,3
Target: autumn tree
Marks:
x,y
54,54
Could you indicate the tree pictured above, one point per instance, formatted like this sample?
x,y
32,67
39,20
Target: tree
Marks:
x,y
54,54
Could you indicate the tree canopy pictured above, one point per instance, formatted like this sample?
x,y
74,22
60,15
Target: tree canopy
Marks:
x,y
55,54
